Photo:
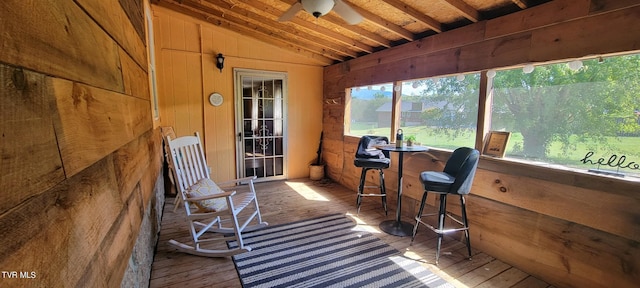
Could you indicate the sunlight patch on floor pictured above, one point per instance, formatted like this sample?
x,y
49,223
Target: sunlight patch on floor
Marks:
x,y
363,226
412,255
306,191
409,255
410,266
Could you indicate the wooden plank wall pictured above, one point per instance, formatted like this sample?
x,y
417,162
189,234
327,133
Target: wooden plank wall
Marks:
x,y
80,159
570,229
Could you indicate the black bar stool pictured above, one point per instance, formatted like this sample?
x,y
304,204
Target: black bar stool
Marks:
x,y
370,158
456,179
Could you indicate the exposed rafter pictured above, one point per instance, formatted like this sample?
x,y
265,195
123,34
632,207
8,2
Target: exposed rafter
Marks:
x,y
330,39
417,15
464,9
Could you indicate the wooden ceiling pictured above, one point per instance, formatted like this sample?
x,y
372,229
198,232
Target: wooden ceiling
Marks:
x,y
329,39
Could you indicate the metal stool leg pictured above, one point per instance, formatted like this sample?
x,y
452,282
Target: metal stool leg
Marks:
x,y
383,191
419,215
441,216
363,176
465,223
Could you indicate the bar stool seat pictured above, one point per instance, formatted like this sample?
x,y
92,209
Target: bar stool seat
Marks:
x,y
372,163
455,179
369,158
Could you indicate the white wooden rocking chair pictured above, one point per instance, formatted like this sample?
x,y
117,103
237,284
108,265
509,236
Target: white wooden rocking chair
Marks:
x,y
208,207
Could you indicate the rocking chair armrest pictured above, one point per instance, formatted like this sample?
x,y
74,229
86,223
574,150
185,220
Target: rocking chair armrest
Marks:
x,y
236,181
212,196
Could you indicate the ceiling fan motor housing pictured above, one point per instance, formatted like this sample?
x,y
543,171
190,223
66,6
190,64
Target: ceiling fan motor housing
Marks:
x,y
317,8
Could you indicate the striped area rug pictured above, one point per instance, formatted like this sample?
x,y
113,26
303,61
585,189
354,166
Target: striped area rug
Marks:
x,y
326,252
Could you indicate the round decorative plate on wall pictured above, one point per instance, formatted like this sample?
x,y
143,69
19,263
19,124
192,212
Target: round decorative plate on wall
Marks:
x,y
215,99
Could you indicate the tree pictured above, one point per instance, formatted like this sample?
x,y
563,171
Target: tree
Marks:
x,y
556,103
553,103
452,104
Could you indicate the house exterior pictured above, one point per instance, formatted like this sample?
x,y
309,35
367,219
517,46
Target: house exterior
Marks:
x,y
411,112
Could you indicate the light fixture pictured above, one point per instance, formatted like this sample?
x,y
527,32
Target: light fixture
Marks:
x,y
460,77
527,68
317,8
220,61
491,73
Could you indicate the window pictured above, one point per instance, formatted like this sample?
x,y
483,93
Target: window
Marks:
x,y
370,110
441,112
584,114
581,114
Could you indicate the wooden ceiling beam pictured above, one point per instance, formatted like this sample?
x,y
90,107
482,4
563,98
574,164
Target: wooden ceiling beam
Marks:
x,y
520,4
274,27
303,42
314,28
373,37
353,28
464,9
323,56
417,15
382,23
330,37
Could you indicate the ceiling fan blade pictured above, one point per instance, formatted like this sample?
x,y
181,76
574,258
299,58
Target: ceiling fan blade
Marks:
x,y
347,13
292,11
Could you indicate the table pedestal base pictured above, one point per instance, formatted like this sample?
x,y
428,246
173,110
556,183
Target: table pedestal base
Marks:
x,y
397,228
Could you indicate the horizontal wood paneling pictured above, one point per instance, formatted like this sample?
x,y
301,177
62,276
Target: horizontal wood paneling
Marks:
x,y
615,210
91,123
59,39
90,222
63,219
110,15
80,160
486,44
564,253
133,76
537,17
29,162
567,41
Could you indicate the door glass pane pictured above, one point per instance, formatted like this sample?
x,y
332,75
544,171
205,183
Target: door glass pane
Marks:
x,y
262,110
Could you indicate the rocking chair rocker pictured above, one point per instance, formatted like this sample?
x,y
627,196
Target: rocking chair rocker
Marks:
x,y
208,207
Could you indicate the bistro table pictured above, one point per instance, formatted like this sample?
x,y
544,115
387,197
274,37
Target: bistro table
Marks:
x,y
396,226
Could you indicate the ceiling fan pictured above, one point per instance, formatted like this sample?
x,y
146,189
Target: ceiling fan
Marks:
x,y
319,8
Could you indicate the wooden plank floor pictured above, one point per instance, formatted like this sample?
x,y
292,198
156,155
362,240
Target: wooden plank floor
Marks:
x,y
287,201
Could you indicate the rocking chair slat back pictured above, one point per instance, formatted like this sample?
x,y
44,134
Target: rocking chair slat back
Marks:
x,y
217,210
189,161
